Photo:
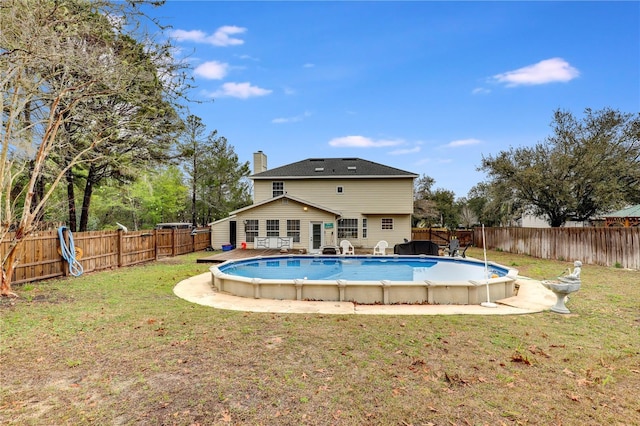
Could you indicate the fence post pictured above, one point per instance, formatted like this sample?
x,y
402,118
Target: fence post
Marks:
x,y
173,241
119,247
155,242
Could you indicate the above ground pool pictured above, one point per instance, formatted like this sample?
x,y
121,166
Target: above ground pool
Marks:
x,y
366,279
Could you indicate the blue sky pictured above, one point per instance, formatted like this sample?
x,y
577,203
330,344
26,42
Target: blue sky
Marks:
x,y
427,87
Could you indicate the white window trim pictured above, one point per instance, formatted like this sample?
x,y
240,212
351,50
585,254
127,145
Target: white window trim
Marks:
x,y
273,191
382,224
271,229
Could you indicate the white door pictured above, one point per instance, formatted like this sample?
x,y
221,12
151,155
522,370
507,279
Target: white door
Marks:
x,y
315,237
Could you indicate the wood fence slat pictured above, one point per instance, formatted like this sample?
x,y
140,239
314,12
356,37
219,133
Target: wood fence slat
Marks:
x,y
39,258
600,246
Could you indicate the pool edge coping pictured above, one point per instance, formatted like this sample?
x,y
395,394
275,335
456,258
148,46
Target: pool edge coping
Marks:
x,y
532,297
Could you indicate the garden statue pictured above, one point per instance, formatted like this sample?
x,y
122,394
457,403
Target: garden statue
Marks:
x,y
563,286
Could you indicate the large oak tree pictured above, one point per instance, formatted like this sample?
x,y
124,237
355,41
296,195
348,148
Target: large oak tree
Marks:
x,y
588,166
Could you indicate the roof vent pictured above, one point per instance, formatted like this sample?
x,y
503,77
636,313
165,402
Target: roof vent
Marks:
x,y
319,169
351,168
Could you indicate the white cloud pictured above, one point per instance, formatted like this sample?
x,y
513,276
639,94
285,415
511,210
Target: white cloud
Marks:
x,y
183,35
212,70
548,71
405,151
308,65
247,58
291,119
240,90
480,91
361,142
222,36
462,142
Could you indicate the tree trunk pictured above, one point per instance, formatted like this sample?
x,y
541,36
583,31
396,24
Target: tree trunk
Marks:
x,y
39,196
86,200
38,193
193,190
9,266
71,201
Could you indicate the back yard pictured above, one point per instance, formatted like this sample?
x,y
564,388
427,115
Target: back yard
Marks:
x,y
119,348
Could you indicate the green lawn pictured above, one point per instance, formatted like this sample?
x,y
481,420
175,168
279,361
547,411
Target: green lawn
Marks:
x,y
118,348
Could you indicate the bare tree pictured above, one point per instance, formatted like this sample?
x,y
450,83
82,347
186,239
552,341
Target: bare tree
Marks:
x,y
56,58
425,211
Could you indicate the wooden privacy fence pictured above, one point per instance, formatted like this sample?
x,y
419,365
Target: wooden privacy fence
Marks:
x,y
442,237
40,256
596,246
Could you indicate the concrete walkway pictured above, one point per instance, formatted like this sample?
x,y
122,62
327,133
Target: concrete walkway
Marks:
x,y
532,297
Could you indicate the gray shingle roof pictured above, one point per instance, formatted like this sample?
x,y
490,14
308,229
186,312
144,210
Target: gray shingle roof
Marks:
x,y
333,167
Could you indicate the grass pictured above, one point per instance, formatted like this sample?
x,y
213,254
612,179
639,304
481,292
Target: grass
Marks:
x,y
118,348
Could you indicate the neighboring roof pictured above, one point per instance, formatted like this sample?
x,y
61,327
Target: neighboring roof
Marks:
x,y
333,167
289,197
633,211
170,225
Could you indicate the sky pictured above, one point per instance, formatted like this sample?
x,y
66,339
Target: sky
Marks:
x,y
427,87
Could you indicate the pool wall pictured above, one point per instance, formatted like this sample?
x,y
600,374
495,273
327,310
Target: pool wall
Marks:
x,y
369,292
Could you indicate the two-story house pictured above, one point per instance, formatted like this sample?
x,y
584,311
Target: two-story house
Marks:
x,y
320,201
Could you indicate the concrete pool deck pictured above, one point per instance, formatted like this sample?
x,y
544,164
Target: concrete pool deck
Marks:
x,y
532,297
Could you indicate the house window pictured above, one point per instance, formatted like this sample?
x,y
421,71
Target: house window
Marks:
x,y
293,229
273,228
387,223
278,188
347,228
251,230
364,227
340,190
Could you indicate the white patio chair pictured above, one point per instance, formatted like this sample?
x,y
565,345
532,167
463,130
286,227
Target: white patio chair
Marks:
x,y
380,248
346,247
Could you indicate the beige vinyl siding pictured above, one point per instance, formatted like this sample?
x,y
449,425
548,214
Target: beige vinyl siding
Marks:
x,y
220,234
368,196
282,210
401,230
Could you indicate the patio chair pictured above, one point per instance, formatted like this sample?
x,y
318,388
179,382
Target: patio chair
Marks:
x,y
380,248
346,247
454,246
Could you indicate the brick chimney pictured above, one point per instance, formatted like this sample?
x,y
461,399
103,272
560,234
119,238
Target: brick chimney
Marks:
x,y
259,162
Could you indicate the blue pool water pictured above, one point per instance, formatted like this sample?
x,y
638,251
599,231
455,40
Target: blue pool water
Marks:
x,y
361,268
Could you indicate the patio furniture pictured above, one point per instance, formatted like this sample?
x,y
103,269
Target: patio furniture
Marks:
x,y
346,247
416,247
453,247
380,248
331,250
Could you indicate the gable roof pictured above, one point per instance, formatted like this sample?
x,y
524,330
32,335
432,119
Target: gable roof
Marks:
x,y
633,211
333,168
289,197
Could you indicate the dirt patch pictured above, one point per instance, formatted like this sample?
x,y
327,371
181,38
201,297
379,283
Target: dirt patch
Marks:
x,y
10,302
